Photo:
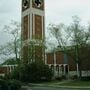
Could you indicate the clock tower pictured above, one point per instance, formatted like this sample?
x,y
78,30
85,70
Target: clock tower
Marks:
x,y
33,30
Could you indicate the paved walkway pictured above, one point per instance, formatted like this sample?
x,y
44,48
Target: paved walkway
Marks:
x,y
57,84
49,84
26,87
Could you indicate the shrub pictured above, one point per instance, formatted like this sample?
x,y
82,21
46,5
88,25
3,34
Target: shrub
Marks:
x,y
14,74
85,78
2,77
33,72
36,72
61,77
3,85
74,77
10,85
58,78
14,85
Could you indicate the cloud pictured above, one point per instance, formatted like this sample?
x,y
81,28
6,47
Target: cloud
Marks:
x,y
63,10
56,11
9,10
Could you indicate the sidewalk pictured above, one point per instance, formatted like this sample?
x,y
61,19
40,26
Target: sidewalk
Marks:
x,y
26,87
73,87
57,84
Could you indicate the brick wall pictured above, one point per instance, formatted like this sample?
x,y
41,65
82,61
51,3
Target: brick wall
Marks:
x,y
50,58
59,58
25,28
38,27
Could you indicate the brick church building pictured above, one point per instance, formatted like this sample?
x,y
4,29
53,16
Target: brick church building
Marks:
x,y
33,35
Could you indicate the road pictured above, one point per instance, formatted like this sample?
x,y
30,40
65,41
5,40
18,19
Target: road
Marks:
x,y
54,88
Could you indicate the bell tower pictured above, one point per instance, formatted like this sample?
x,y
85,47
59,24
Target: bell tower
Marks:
x,y
33,30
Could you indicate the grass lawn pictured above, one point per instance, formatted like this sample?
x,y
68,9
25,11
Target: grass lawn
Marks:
x,y
47,82
65,83
23,89
76,83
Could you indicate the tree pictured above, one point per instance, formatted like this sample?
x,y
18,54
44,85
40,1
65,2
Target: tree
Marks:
x,y
33,50
79,38
34,72
56,31
14,30
6,49
72,40
10,61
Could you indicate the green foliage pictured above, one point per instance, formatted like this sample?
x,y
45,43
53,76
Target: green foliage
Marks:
x,y
74,77
15,74
1,77
13,47
36,72
3,84
77,83
14,84
33,72
73,40
10,84
63,77
85,78
10,61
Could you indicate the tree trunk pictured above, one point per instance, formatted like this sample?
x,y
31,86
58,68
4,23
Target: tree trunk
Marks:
x,y
80,70
15,43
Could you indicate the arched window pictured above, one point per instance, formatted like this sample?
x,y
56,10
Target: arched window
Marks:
x,y
66,69
52,67
57,68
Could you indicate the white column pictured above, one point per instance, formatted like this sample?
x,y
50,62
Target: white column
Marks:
x,y
59,71
64,69
45,58
54,64
30,26
54,70
68,71
10,68
33,25
30,3
77,70
42,28
49,66
54,58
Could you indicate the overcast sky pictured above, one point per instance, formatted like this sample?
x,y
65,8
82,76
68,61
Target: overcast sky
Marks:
x,y
56,11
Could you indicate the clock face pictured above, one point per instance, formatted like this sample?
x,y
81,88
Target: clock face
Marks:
x,y
38,3
25,4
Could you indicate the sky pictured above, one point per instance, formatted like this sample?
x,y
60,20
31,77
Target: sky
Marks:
x,y
62,10
56,11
